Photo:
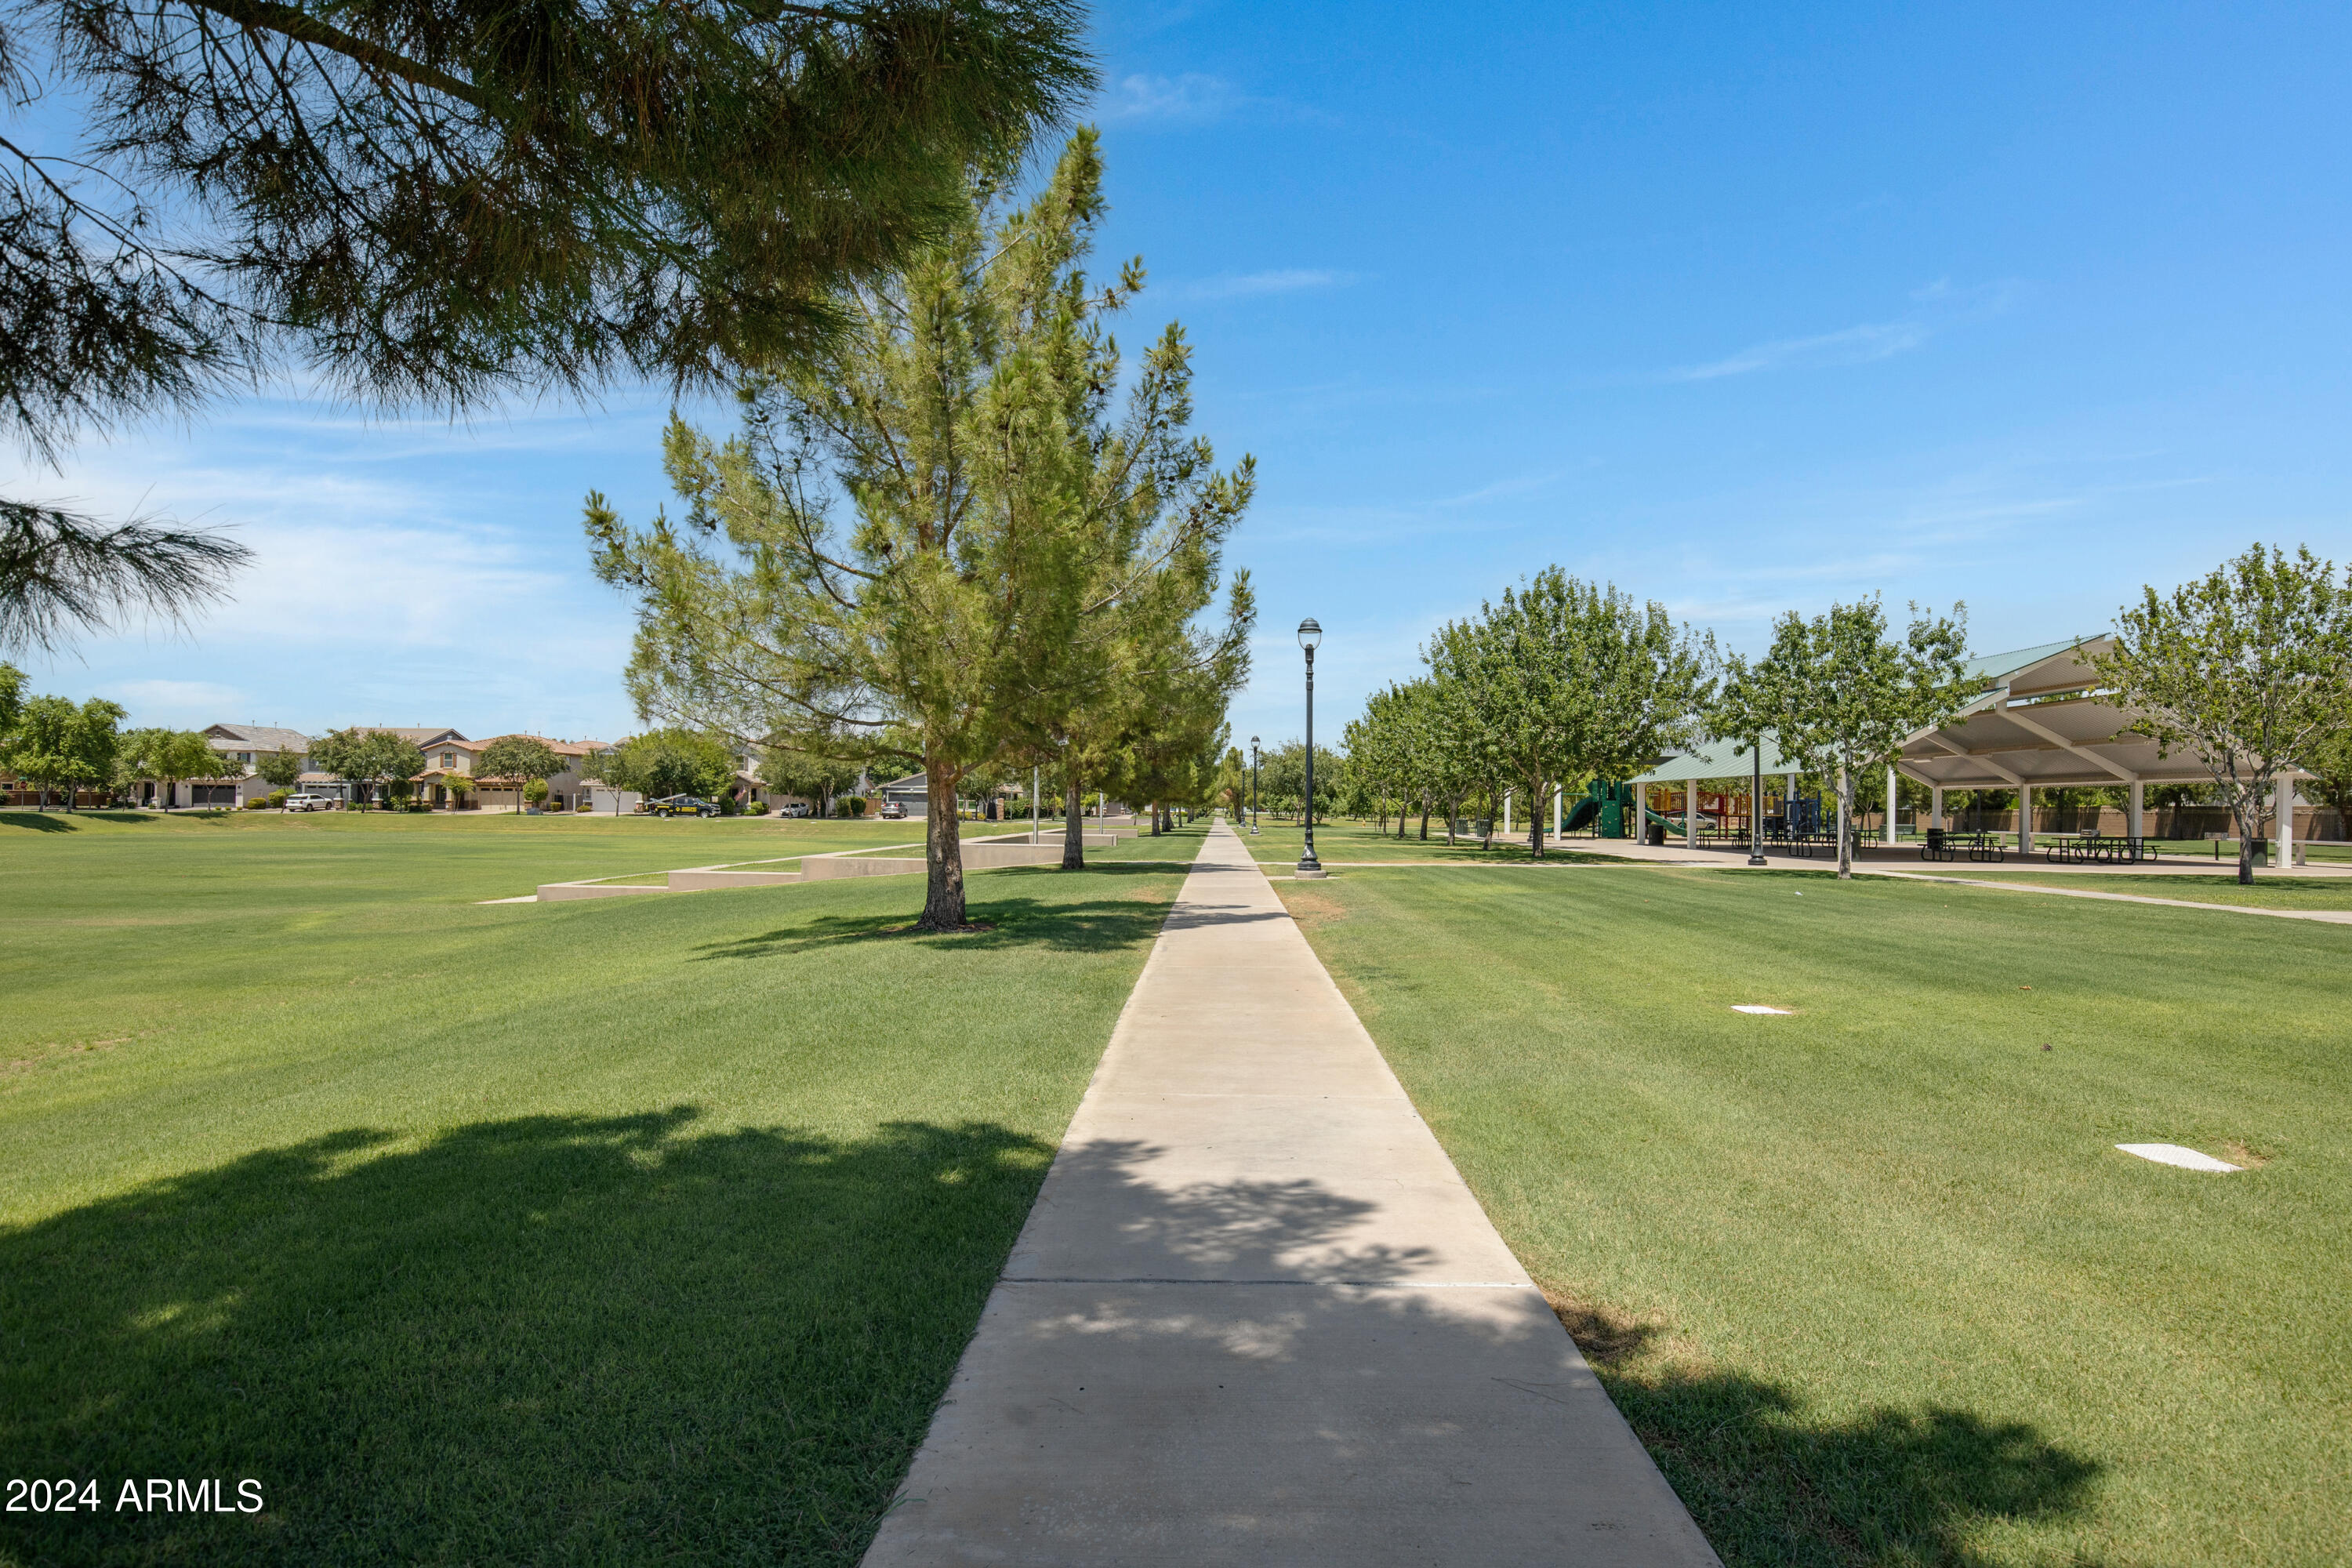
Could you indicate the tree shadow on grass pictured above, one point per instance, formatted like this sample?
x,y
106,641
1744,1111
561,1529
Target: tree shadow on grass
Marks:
x,y
1770,1485
1076,925
575,1339
39,821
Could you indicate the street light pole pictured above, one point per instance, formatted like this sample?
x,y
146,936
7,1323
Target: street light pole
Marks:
x,y
1309,634
1252,810
1756,806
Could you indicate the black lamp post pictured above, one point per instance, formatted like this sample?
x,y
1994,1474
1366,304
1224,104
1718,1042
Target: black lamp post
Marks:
x,y
1253,784
1309,636
1756,807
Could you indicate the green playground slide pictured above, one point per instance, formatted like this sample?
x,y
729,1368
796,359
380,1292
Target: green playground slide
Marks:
x,y
1605,800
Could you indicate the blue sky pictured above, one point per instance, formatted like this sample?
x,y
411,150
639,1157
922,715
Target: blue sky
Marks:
x,y
1743,309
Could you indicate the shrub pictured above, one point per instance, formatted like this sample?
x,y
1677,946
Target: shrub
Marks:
x,y
535,792
757,808
278,797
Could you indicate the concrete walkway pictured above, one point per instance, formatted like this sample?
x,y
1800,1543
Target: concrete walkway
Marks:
x,y
1257,1318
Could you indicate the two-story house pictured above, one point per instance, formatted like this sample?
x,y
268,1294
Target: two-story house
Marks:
x,y
241,748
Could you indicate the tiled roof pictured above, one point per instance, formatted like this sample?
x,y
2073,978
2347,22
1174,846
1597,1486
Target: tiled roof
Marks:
x,y
257,737
420,737
560,748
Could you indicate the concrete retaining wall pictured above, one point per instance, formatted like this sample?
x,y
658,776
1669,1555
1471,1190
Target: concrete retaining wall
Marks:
x,y
828,868
698,881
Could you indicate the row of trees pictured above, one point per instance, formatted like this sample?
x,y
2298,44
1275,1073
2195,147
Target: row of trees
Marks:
x,y
2248,668
55,744
1559,681
61,746
947,544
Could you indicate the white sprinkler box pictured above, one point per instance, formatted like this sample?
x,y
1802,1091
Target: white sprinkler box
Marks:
x,y
1753,1007
2174,1154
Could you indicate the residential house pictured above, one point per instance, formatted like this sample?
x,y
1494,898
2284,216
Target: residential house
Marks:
x,y
751,788
570,790
445,751
241,748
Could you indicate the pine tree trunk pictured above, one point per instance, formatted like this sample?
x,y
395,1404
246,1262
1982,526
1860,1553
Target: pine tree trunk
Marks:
x,y
943,909
1074,827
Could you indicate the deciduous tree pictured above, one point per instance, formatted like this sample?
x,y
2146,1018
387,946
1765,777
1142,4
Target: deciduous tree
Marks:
x,y
1840,696
2248,668
368,757
169,756
280,770
55,744
1565,677
515,762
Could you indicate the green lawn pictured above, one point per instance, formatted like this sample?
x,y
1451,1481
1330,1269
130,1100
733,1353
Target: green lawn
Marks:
x,y
1871,1280
2270,889
618,1231
1340,843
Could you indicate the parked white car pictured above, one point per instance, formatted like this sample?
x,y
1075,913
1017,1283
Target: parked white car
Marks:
x,y
793,808
310,803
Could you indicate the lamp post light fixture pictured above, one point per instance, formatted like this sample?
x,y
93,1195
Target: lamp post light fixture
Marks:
x,y
1252,810
1309,636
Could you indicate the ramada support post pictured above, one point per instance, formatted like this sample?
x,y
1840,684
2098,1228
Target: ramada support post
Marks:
x,y
1889,835
2135,815
2025,819
1690,814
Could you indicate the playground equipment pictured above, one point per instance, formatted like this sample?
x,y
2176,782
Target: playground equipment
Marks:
x,y
1606,804
1803,817
1607,807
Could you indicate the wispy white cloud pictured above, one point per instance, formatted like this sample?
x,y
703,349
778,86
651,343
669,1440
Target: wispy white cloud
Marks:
x,y
1850,345
186,703
403,572
1189,98
1942,307
1192,98
1501,490
1247,285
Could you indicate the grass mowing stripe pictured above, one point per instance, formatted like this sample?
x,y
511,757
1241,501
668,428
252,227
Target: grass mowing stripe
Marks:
x,y
1871,1279
635,1230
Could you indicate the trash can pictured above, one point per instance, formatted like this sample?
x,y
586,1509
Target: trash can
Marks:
x,y
1656,837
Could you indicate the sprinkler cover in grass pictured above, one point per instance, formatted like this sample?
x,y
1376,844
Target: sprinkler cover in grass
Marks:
x,y
2174,1154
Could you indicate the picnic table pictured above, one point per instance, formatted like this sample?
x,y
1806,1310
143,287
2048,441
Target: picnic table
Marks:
x,y
2100,850
1943,844
1807,843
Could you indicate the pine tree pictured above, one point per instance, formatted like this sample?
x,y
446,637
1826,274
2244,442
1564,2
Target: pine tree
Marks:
x,y
436,201
933,545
